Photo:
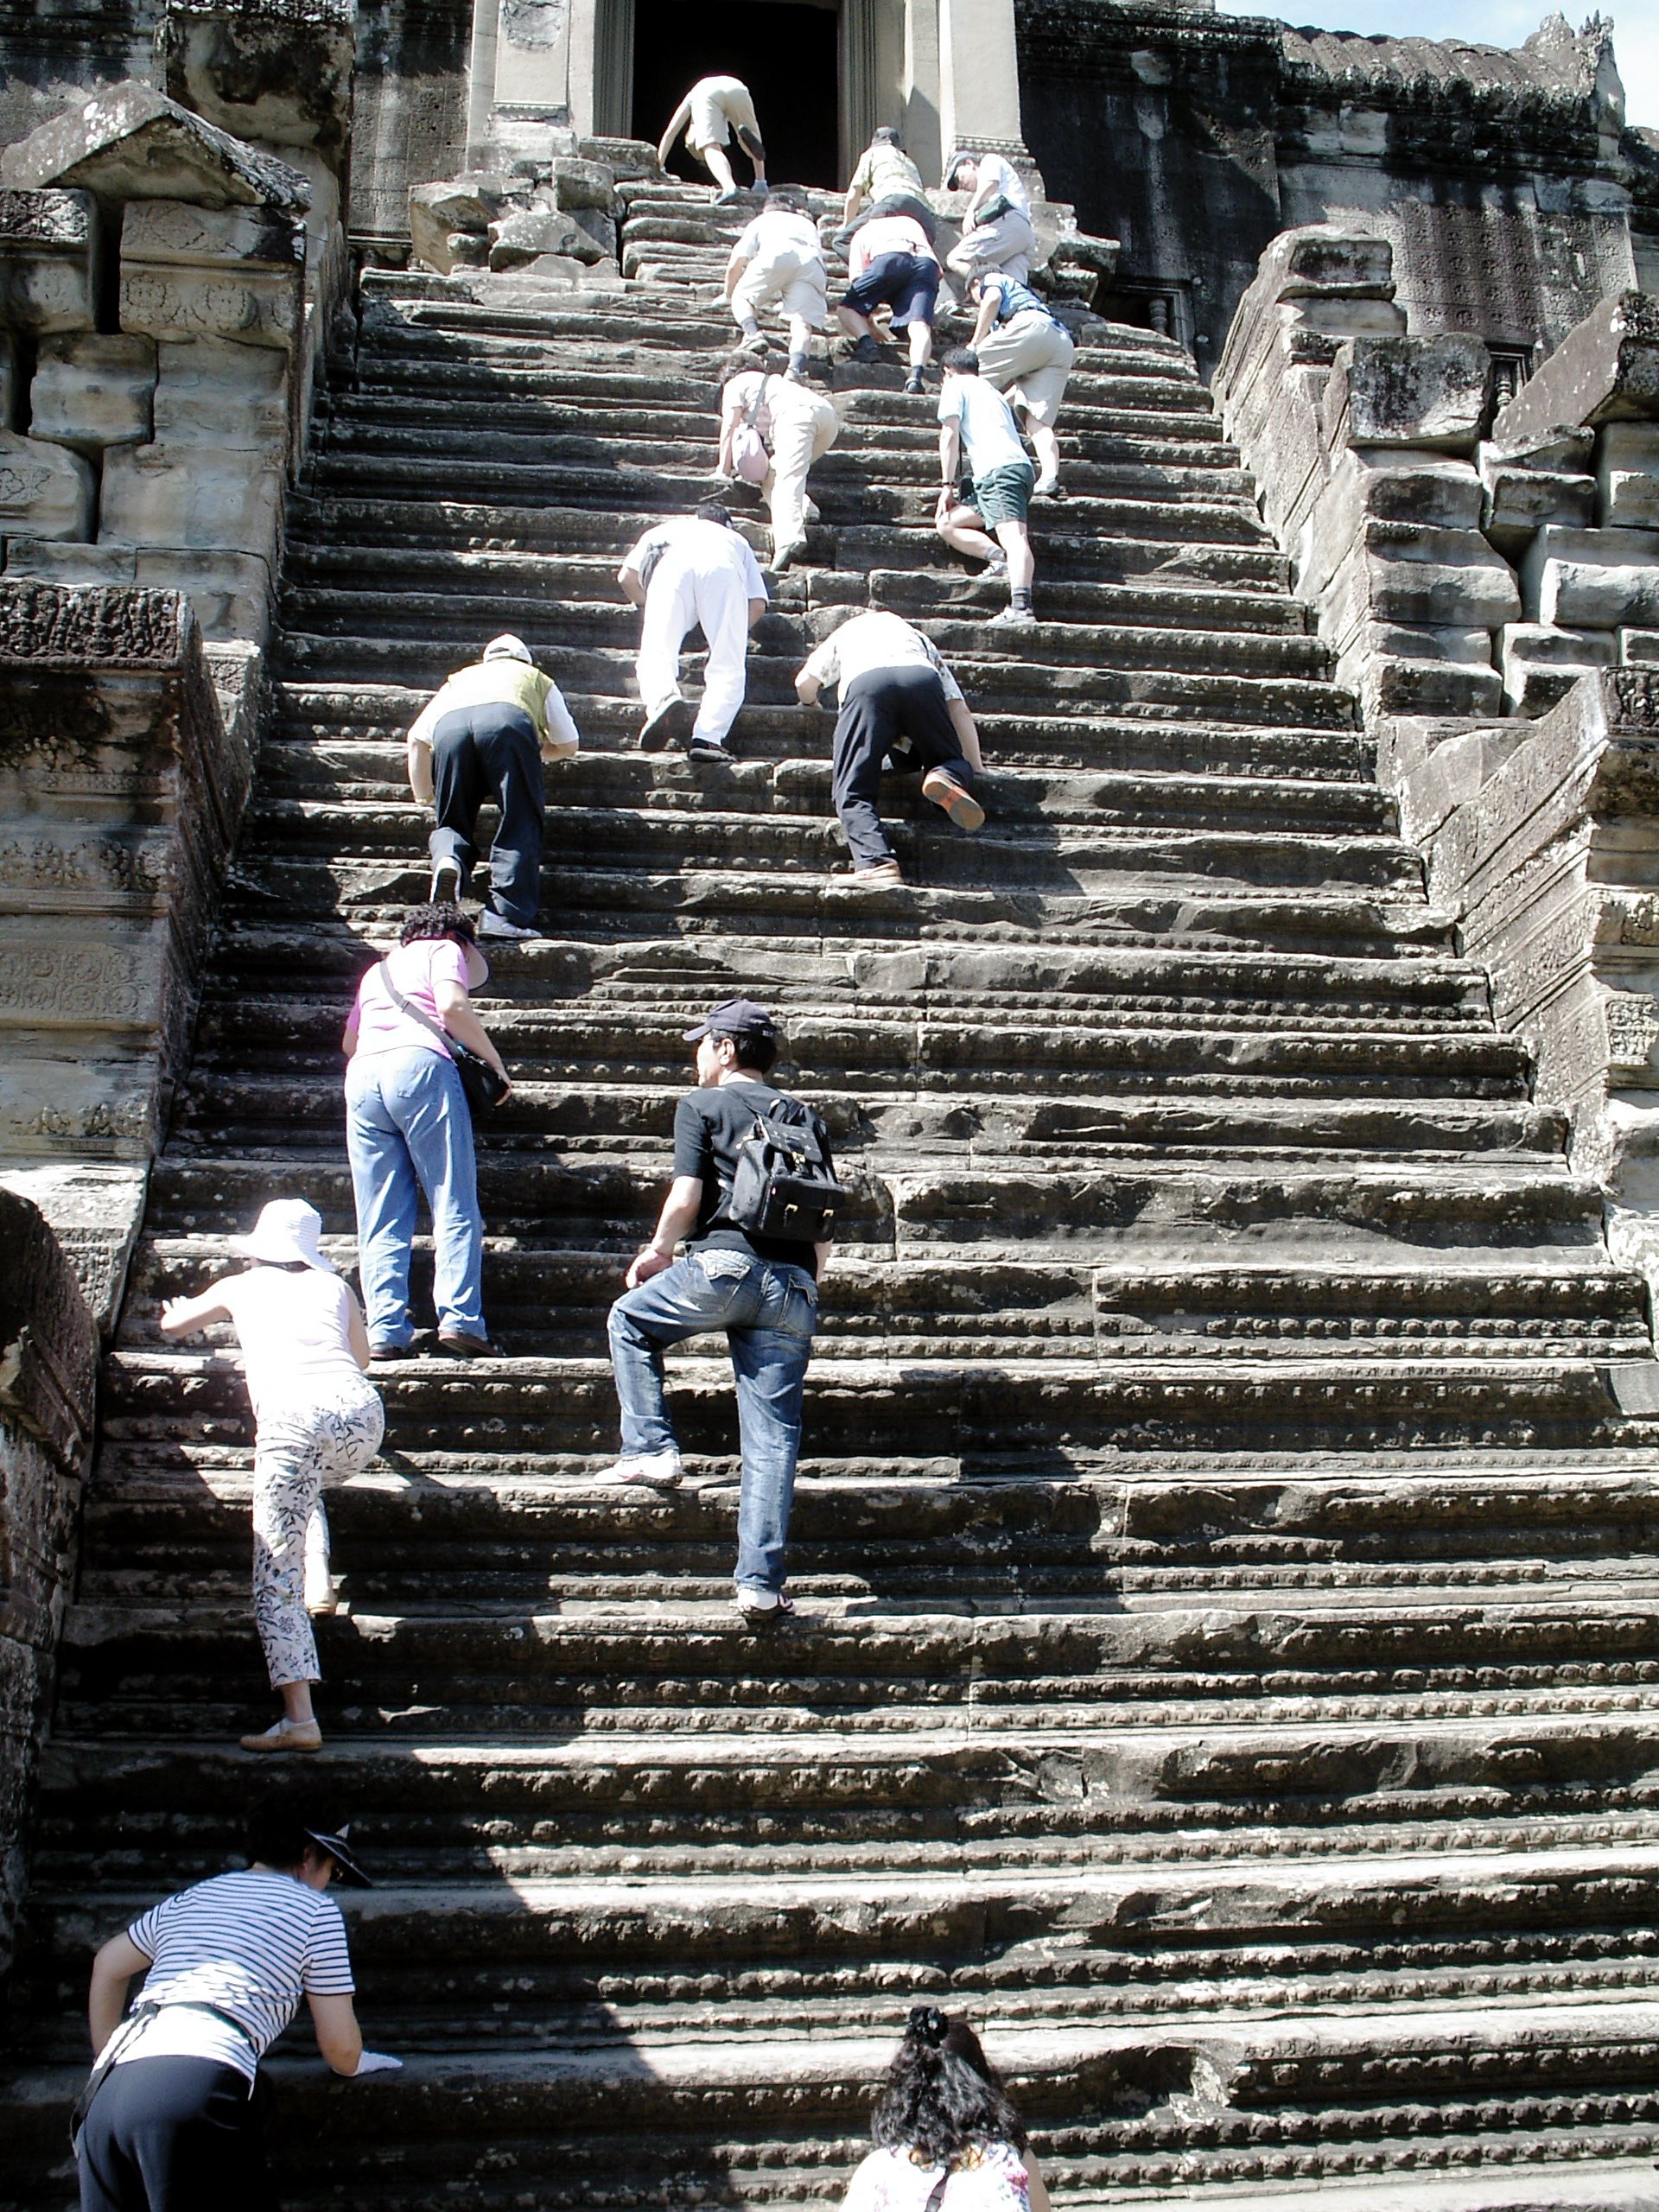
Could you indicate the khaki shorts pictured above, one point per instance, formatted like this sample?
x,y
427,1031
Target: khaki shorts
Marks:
x,y
1029,359
788,284
716,105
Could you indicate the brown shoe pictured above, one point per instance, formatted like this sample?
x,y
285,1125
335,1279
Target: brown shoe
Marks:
x,y
882,872
958,802
286,1736
459,1345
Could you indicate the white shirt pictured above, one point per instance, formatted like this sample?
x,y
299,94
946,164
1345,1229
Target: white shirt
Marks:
x,y
700,548
990,2177
873,641
779,230
250,1944
990,436
998,178
886,234
295,1332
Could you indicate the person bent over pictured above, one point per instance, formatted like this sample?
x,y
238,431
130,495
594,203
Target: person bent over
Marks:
x,y
886,182
694,570
761,1291
796,424
977,426
996,231
1027,353
777,266
891,263
900,704
711,111
485,736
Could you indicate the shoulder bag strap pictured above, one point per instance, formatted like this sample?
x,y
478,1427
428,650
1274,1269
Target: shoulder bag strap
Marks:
x,y
405,1006
935,2195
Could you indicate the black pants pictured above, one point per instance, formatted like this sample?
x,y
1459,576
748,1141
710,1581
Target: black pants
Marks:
x,y
485,752
174,2135
877,710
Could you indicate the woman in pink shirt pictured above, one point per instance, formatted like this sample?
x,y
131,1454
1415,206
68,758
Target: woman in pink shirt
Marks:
x,y
408,1130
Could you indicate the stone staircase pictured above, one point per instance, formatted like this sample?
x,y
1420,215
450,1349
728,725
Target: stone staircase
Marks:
x,y
1226,1538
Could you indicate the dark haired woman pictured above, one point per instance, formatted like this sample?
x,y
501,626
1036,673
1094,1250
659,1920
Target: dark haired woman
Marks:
x,y
408,1130
316,1413
172,2125
947,2138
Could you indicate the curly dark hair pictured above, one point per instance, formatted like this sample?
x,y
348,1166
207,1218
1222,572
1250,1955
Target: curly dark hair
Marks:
x,y
442,918
935,2100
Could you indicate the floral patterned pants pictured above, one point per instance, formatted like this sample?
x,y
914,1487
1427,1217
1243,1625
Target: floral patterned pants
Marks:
x,y
295,1447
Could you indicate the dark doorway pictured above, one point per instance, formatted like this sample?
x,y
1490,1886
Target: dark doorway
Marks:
x,y
786,54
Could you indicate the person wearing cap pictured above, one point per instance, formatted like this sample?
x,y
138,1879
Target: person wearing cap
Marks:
x,y
172,2120
408,1130
996,230
694,570
1025,353
899,703
762,1292
485,736
711,111
976,427
777,265
304,1349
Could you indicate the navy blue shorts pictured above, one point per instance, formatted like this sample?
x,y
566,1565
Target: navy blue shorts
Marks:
x,y
904,282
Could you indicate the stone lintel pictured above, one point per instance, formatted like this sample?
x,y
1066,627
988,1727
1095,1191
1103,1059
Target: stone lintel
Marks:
x,y
132,142
44,625
1605,369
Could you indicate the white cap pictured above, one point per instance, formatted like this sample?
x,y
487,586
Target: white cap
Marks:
x,y
287,1229
507,647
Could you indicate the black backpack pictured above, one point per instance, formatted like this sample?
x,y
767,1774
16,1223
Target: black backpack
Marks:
x,y
784,1185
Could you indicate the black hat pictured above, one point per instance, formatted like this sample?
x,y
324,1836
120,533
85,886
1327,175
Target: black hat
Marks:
x,y
351,1874
733,1018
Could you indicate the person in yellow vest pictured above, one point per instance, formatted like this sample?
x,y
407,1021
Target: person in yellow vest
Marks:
x,y
485,736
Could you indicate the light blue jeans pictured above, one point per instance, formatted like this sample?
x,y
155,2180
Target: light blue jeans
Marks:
x,y
768,1310
407,1130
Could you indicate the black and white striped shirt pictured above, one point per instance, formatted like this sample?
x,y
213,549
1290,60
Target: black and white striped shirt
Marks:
x,y
251,1945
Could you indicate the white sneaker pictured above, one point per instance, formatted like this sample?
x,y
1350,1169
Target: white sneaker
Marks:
x,y
446,881
654,1470
757,1605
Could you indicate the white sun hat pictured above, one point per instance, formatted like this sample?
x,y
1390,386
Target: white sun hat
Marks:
x,y
287,1229
507,647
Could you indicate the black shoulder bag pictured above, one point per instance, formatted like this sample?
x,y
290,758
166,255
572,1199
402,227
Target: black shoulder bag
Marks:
x,y
483,1087
784,1185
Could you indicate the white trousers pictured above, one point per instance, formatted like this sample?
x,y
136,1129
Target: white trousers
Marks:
x,y
803,427
677,599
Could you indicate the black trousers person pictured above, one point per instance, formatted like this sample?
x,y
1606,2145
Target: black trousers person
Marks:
x,y
491,753
174,2135
878,712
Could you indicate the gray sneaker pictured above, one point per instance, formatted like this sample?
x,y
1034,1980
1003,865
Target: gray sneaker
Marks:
x,y
446,882
499,931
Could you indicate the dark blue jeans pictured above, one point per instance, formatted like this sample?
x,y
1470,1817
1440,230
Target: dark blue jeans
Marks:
x,y
877,710
486,753
768,1311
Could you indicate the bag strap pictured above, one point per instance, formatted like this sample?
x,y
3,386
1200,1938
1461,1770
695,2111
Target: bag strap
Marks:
x,y
405,1006
935,2195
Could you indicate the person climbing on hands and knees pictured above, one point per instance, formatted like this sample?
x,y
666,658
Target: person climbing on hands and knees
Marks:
x,y
1025,353
761,1290
694,571
976,425
711,111
776,266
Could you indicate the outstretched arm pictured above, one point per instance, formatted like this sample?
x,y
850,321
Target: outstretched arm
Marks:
x,y
183,1316
967,735
680,116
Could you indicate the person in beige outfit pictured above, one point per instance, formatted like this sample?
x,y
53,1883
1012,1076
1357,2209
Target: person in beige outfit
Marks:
x,y
796,424
711,111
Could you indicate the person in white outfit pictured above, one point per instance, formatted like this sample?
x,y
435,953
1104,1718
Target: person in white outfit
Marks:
x,y
694,570
304,1348
777,266
996,231
711,111
797,426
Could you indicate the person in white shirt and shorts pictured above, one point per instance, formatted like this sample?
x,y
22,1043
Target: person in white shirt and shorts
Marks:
x,y
713,108
977,426
776,268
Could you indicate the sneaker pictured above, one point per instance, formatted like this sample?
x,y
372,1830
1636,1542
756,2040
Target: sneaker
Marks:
x,y
446,881
1014,618
728,198
499,928
958,802
460,1345
648,1469
866,350
704,748
761,1608
913,381
998,563
880,871
794,551
1048,488
385,1355
669,725
754,343
285,1735
320,1598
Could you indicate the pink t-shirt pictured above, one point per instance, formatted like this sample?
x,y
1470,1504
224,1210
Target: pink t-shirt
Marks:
x,y
417,969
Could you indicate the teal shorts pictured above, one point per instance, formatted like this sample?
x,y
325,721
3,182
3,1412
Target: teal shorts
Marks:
x,y
1004,494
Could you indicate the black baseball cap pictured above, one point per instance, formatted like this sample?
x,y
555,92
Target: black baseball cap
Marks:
x,y
732,1018
351,1874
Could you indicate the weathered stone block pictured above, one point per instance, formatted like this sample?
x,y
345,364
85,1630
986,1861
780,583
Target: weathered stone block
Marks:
x,y
1593,579
1409,391
584,184
45,490
131,142
49,248
1409,684
1518,501
1627,476
1437,579
1541,664
272,71
521,236
463,206
192,495
91,391
1343,317
212,391
214,273
1605,370
230,593
10,381
1638,648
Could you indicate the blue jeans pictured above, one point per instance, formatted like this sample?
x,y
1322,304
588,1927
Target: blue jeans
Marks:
x,y
407,1130
768,1310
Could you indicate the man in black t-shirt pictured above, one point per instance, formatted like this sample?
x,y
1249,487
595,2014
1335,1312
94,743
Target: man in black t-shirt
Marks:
x,y
761,1291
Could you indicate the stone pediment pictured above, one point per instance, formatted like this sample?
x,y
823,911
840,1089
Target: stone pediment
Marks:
x,y
132,142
